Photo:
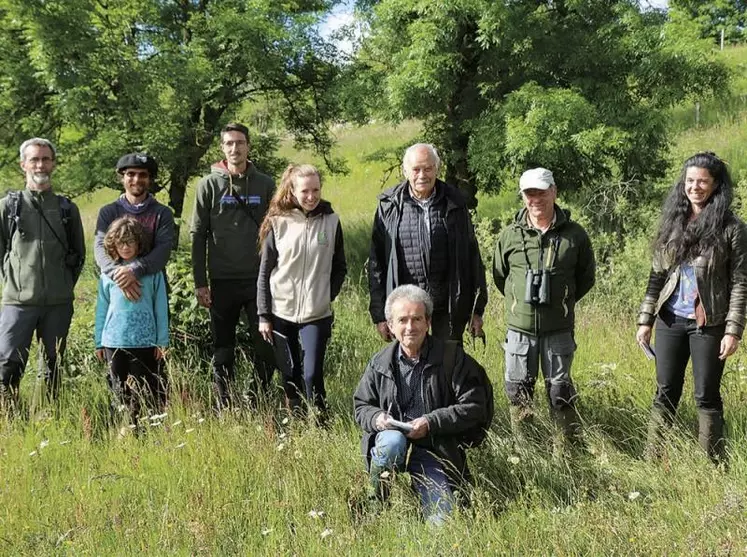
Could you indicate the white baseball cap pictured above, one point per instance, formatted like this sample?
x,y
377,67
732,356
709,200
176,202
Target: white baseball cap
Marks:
x,y
536,179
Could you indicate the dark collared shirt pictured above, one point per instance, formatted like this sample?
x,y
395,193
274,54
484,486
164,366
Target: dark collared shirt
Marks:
x,y
410,388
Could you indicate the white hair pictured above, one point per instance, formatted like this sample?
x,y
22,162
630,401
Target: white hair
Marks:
x,y
37,141
411,293
411,150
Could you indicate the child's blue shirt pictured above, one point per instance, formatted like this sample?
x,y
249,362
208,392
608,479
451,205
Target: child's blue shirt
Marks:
x,y
121,323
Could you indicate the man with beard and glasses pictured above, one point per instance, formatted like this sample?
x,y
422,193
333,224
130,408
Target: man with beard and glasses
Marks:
x,y
138,172
43,250
230,204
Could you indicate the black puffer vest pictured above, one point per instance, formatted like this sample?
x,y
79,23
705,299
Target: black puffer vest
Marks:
x,y
425,257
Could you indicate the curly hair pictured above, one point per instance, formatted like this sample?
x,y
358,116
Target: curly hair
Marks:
x,y
284,201
126,230
686,238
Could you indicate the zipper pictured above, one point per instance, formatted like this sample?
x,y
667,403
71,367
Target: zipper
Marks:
x,y
302,297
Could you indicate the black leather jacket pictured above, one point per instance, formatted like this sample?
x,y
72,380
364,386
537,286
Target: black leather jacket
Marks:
x,y
722,283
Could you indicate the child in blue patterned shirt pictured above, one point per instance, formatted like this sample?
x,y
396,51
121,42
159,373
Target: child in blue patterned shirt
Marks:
x,y
132,335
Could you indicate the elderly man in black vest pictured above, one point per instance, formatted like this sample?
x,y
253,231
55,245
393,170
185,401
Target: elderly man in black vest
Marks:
x,y
423,235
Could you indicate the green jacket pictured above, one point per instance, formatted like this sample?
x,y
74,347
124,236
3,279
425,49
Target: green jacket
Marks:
x,y
567,256
35,270
722,283
229,210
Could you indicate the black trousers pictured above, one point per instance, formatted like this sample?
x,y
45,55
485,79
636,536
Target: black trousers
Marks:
x,y
137,379
229,298
679,339
300,350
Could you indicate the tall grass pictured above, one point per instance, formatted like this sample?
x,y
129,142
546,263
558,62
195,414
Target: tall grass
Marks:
x,y
260,482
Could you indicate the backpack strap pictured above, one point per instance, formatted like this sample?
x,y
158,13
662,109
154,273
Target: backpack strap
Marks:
x,y
12,217
66,211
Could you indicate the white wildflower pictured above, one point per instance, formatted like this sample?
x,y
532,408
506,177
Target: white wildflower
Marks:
x,y
285,421
283,435
157,417
200,420
326,533
190,430
43,444
316,514
32,453
176,423
633,495
266,531
180,445
513,459
385,474
280,447
66,442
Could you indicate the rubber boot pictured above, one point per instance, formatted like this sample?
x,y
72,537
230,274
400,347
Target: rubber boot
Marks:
x,y
568,423
658,424
711,434
522,425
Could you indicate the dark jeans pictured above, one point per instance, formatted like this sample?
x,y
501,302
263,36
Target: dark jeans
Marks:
x,y
229,297
17,327
441,327
300,355
677,340
137,379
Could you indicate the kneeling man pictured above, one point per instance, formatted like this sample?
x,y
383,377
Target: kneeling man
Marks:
x,y
407,400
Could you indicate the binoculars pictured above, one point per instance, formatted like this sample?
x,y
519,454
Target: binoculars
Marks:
x,y
537,289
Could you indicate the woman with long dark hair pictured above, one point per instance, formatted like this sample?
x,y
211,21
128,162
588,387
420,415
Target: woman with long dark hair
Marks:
x,y
696,297
301,272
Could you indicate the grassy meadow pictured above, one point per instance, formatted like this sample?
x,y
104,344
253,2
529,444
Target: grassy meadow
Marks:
x,y
257,482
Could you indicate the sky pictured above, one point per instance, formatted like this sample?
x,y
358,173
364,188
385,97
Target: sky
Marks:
x,y
343,15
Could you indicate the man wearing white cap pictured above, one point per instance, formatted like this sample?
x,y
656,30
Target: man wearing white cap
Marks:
x,y
543,265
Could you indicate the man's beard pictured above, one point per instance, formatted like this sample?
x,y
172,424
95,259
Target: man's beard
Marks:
x,y
41,178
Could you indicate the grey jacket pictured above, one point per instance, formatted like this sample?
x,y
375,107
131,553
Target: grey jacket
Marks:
x,y
449,409
722,283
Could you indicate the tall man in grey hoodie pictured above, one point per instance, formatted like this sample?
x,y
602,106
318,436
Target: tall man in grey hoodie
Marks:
x,y
230,204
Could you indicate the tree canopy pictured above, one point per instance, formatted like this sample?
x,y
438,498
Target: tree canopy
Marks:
x,y
106,78
729,16
578,86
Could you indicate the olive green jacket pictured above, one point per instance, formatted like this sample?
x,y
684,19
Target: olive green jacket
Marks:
x,y
37,267
568,257
721,281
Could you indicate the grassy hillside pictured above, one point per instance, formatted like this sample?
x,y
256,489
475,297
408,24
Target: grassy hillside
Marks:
x,y
260,483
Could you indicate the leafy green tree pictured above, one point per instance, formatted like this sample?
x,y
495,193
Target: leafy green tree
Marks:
x,y
729,16
578,86
165,75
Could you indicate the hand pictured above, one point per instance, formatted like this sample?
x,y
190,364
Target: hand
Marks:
x,y
204,297
643,335
125,278
100,354
419,428
475,325
729,345
382,421
159,353
383,330
265,329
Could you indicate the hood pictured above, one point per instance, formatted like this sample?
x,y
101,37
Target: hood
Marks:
x,y
221,167
136,209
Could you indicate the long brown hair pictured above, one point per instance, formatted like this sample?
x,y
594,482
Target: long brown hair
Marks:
x,y
284,201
